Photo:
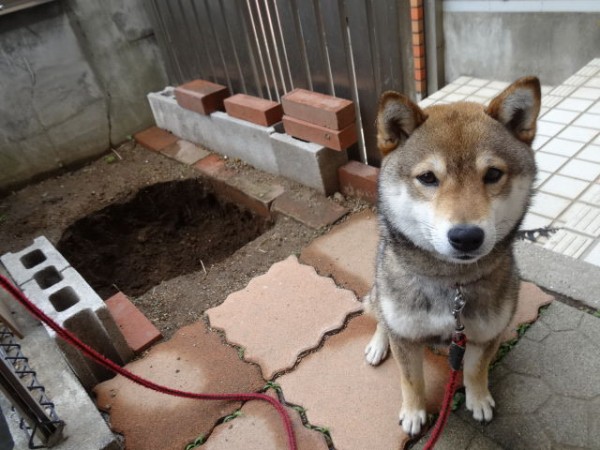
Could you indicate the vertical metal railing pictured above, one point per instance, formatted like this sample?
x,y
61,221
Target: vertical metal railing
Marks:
x,y
349,48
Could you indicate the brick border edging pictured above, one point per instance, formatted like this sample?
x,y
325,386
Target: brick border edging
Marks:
x,y
417,13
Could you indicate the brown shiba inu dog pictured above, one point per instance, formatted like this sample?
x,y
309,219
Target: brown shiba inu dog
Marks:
x,y
454,186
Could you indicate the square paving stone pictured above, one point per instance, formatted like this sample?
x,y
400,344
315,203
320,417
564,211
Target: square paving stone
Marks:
x,y
194,360
347,252
259,427
282,314
358,403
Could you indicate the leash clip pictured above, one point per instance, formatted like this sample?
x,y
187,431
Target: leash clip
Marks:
x,y
457,307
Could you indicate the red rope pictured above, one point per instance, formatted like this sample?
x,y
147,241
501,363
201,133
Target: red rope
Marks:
x,y
460,340
445,410
94,355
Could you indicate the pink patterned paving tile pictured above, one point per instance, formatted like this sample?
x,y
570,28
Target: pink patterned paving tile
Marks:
x,y
283,313
358,403
347,252
531,299
259,427
194,359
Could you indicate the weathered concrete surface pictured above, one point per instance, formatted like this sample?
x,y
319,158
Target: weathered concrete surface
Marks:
x,y
73,79
558,273
546,389
506,46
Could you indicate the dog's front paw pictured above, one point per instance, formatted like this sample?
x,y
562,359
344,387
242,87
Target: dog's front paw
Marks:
x,y
377,349
412,420
481,406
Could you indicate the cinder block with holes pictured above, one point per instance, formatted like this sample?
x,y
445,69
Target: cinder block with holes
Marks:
x,y
33,260
60,292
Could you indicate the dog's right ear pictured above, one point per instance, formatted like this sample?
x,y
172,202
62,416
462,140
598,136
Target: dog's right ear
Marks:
x,y
397,118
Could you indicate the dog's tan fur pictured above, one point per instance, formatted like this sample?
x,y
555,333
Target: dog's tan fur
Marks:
x,y
447,167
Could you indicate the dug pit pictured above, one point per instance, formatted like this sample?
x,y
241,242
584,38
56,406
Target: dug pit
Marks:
x,y
165,230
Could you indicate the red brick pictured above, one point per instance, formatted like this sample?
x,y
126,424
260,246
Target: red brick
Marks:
x,y
416,3
256,196
420,74
416,13
420,63
418,38
416,26
201,96
211,166
335,139
138,331
421,86
418,50
315,212
155,138
253,109
359,180
319,109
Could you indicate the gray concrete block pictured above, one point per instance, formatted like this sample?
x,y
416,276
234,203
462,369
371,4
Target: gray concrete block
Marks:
x,y
183,123
40,259
74,305
245,140
559,273
218,132
65,300
310,164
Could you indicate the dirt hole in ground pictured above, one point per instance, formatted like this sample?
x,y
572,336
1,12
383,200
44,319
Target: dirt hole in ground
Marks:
x,y
165,230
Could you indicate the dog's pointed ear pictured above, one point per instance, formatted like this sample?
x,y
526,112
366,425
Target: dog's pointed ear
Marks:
x,y
397,118
517,108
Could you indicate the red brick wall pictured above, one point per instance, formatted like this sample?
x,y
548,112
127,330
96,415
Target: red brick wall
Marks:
x,y
418,43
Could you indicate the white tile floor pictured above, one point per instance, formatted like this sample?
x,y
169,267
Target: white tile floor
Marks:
x,y
567,149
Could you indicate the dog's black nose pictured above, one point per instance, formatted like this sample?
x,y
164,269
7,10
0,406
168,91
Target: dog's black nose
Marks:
x,y
466,238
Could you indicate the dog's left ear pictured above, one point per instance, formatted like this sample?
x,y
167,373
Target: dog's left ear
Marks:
x,y
517,108
397,118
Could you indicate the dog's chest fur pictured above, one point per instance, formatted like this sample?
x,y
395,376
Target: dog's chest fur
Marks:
x,y
414,293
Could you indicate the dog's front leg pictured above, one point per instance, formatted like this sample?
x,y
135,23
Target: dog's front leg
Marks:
x,y
476,367
409,356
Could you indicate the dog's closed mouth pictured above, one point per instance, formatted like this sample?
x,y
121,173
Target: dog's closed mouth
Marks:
x,y
465,257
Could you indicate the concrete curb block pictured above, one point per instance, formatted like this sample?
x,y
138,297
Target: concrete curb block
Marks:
x,y
182,122
66,297
244,140
307,163
562,274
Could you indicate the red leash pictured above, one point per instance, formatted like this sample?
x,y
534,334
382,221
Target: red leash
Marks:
x,y
455,358
100,359
457,350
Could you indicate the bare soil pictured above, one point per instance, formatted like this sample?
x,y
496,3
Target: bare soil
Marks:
x,y
114,208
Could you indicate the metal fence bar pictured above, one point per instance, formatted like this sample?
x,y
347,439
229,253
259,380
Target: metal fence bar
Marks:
x,y
333,16
294,44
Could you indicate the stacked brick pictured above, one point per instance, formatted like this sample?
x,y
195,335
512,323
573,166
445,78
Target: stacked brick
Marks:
x,y
249,128
320,118
418,43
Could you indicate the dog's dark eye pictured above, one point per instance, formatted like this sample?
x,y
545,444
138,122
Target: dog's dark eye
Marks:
x,y
492,176
428,179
